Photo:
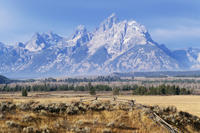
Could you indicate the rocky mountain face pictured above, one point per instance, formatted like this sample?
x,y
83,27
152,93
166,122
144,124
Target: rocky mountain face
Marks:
x,y
115,46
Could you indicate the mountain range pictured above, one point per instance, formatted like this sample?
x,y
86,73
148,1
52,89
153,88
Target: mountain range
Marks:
x,y
114,46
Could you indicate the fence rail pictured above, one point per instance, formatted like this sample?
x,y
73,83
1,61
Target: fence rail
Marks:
x,y
154,116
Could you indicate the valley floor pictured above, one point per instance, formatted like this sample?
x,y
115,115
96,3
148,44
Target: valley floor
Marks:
x,y
78,112
188,103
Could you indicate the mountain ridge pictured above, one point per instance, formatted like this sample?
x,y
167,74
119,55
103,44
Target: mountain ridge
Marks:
x,y
115,46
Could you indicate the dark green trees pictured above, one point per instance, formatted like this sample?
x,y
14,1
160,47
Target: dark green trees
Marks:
x,y
24,92
161,90
91,89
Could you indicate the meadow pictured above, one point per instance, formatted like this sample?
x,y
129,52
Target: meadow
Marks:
x,y
69,111
188,103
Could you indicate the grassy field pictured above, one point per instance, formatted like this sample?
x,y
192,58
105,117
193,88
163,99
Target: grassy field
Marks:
x,y
77,118
187,103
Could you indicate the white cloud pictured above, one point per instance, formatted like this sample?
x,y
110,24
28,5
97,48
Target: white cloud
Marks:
x,y
180,32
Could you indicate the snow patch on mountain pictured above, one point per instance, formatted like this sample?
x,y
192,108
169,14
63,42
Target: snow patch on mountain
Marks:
x,y
115,46
42,41
117,37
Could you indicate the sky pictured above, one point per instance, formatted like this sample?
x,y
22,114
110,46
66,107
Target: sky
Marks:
x,y
175,23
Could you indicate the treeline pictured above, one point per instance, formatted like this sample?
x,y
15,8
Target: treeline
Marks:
x,y
4,80
161,90
96,79
55,87
136,89
171,81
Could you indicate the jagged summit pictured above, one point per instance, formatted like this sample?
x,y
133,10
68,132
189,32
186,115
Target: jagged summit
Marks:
x,y
80,30
115,46
118,36
79,37
40,41
109,22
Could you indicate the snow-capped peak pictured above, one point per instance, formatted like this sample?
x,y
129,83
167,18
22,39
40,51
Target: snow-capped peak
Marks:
x,y
41,41
121,46
50,36
80,36
118,36
108,23
80,30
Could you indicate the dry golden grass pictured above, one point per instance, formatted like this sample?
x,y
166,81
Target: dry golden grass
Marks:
x,y
187,103
135,121
124,122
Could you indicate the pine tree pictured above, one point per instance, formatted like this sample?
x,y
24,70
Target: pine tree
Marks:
x,y
91,89
24,92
